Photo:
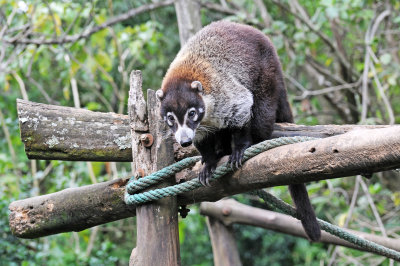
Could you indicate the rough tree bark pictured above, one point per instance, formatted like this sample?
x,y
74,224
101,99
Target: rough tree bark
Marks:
x,y
230,211
51,132
72,209
157,222
355,152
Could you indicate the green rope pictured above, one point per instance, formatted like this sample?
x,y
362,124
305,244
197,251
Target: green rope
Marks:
x,y
274,203
135,185
281,206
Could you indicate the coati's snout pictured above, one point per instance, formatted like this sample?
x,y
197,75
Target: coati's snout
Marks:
x,y
182,108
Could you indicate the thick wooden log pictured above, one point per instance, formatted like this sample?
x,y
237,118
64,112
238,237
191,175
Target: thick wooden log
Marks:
x,y
51,132
223,243
72,209
355,152
230,211
158,240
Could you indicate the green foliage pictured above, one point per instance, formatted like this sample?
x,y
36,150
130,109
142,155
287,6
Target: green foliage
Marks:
x,y
101,63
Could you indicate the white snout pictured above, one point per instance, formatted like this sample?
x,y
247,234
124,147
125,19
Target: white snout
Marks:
x,y
184,134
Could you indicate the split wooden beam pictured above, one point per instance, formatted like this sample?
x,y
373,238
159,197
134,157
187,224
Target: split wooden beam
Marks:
x,y
51,132
158,240
229,212
356,152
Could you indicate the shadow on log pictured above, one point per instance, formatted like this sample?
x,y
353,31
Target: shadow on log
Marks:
x,y
356,152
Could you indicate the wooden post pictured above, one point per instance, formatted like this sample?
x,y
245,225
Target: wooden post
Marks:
x,y
223,243
157,222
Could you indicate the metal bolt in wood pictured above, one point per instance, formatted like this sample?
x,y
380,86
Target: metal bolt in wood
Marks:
x,y
140,173
147,140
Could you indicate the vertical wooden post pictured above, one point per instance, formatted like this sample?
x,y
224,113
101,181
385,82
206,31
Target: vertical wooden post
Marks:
x,y
223,243
157,222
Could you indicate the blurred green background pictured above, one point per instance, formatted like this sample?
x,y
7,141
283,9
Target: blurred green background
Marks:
x,y
330,50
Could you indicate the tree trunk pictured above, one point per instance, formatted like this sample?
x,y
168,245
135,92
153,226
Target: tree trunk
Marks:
x,y
189,20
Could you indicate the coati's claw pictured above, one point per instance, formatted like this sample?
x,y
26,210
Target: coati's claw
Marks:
x,y
236,158
206,175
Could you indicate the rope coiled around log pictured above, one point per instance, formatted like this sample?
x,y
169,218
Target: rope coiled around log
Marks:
x,y
134,186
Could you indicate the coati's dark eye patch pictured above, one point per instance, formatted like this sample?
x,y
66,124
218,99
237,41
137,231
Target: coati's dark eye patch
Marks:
x,y
192,113
170,119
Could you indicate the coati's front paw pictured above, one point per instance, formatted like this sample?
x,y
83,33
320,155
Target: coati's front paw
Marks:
x,y
206,174
236,158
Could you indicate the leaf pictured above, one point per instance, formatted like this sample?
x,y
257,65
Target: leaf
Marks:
x,y
66,93
332,12
392,80
385,58
103,59
93,106
375,188
342,219
396,198
328,61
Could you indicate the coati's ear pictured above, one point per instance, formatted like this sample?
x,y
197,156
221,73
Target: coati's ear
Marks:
x,y
197,86
160,94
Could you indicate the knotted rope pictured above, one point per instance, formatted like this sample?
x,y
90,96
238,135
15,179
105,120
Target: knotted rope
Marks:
x,y
134,186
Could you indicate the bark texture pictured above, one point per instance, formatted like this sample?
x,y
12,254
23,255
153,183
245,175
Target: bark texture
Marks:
x,y
356,152
51,132
157,222
72,209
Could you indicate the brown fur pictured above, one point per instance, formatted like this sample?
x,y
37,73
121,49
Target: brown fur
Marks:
x,y
244,95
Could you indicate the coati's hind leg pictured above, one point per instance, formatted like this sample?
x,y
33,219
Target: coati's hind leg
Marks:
x,y
241,140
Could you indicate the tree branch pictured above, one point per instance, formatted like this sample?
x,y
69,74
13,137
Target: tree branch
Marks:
x,y
324,37
51,132
89,31
356,152
230,211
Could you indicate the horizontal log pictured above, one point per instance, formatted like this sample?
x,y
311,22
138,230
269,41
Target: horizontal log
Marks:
x,y
51,132
230,211
356,152
72,209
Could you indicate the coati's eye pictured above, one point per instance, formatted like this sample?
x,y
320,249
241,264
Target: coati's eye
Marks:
x,y
192,113
171,118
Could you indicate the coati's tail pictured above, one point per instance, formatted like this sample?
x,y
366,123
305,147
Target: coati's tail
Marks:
x,y
305,211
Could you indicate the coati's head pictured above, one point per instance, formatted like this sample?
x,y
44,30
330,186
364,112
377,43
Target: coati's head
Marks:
x,y
182,108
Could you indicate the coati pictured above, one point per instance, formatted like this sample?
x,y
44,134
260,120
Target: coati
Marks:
x,y
223,92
